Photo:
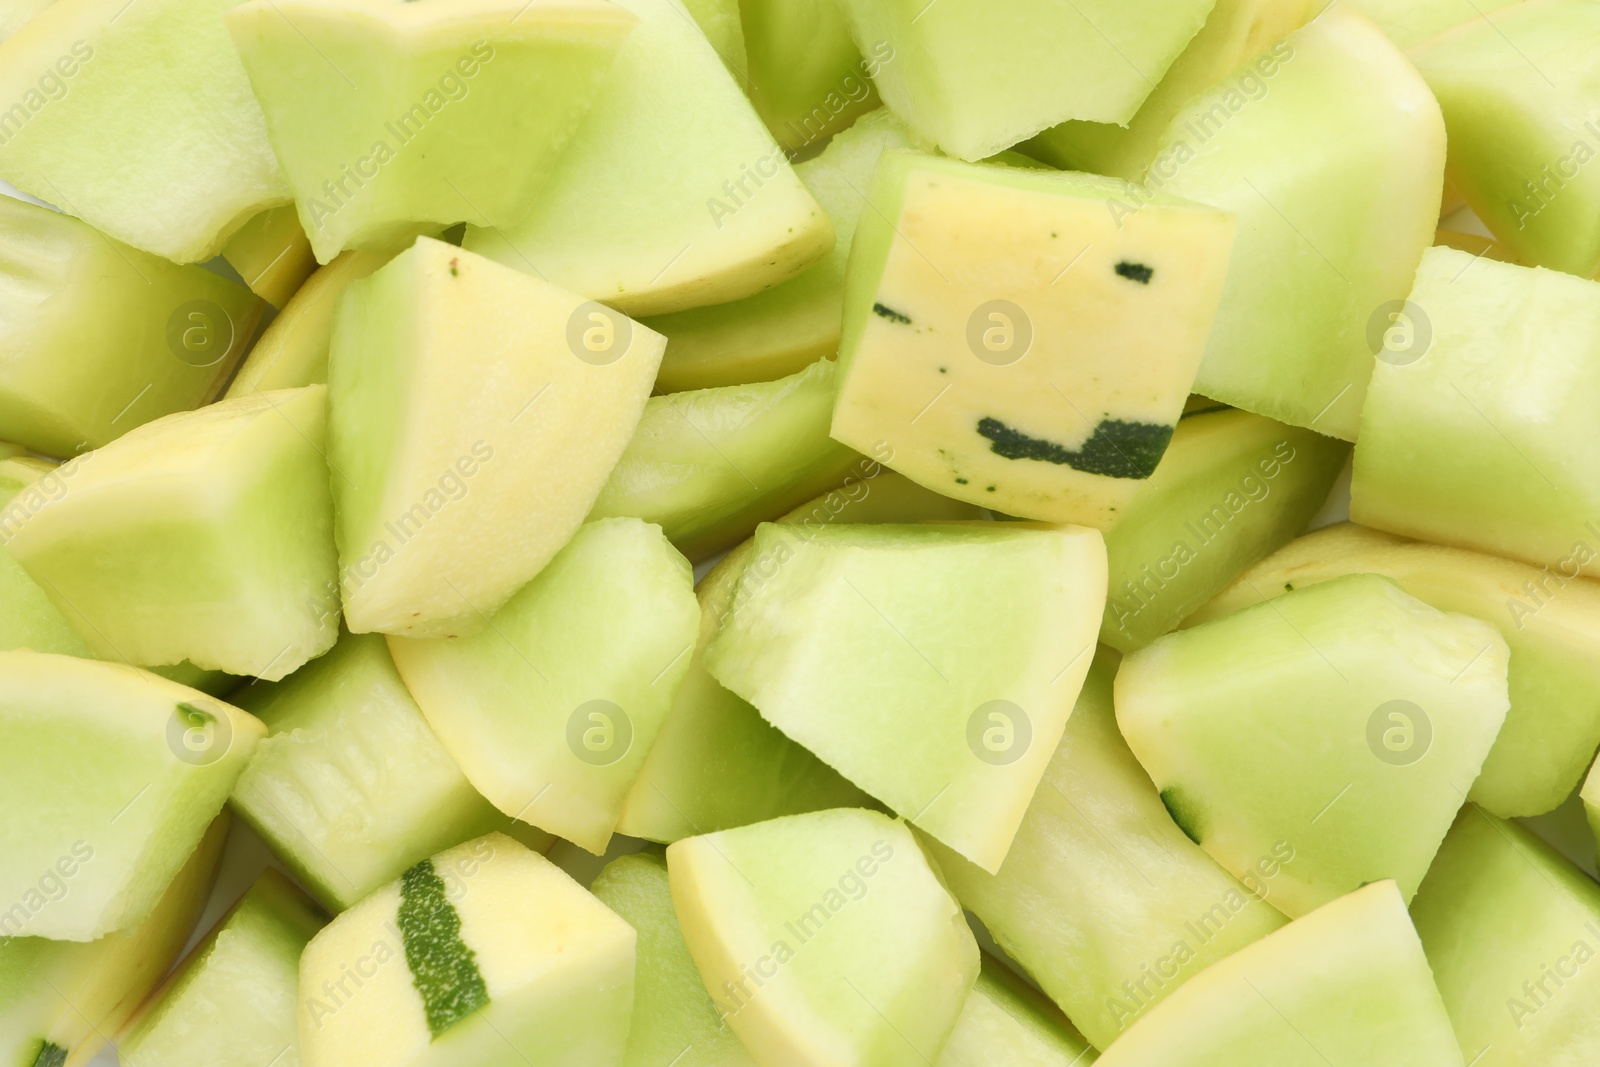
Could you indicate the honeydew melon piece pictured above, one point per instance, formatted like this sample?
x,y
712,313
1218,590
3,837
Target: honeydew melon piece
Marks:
x,y
1231,488
551,710
1410,22
272,254
977,77
120,771
672,195
487,955
1494,408
1005,1020
792,325
719,20
825,938
988,315
138,120
933,666
1330,230
204,536
1102,899
808,81
1508,925
1360,699
371,105
232,1002
99,337
14,14
1346,984
708,465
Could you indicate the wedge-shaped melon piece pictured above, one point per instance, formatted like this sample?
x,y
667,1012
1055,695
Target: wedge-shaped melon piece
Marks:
x,y
272,254
203,536
976,77
1006,1021
1477,433
140,121
672,195
989,314
825,939
465,399
97,338
372,106
1346,984
1359,701
551,710
807,80
1335,171
120,772
1411,22
487,955
933,666
1102,899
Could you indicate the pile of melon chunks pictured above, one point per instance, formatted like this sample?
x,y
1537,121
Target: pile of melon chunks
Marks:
x,y
799,533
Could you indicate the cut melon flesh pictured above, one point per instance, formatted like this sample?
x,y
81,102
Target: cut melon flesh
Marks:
x,y
272,254
1484,439
1360,701
1411,22
1006,1021
98,338
551,710
121,772
151,133
989,312
1346,984
792,325
707,466
976,77
350,786
1231,488
1550,623
1336,173
672,195
463,401
1508,923
488,955
232,1003
719,20
717,763
807,79
1102,899
825,939
14,14
372,105
204,536
933,666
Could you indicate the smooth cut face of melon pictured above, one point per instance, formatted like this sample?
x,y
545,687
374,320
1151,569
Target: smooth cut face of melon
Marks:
x,y
28,618
204,536
988,313
1330,149
272,254
1361,701
488,955
551,710
720,21
464,397
672,195
1411,22
825,938
1006,1020
807,80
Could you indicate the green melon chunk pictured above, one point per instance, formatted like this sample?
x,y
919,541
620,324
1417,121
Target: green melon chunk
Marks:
x,y
233,1001
1509,925
792,325
807,79
709,465
99,338
1410,22
138,120
1359,700
1332,155
1346,984
672,195
1102,898
719,20
825,938
1231,488
1006,1021
15,14
933,666
204,536
551,710
1550,622
372,106
121,772
272,254
487,955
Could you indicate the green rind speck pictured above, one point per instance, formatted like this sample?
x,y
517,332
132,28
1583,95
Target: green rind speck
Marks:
x,y
891,314
50,1055
1136,272
1183,812
443,968
1117,449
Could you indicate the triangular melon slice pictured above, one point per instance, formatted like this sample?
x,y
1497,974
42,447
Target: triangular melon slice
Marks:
x,y
474,415
272,254
1312,720
1005,1020
825,939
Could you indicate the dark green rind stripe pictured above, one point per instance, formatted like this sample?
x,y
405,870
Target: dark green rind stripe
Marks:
x,y
443,968
1117,449
50,1055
